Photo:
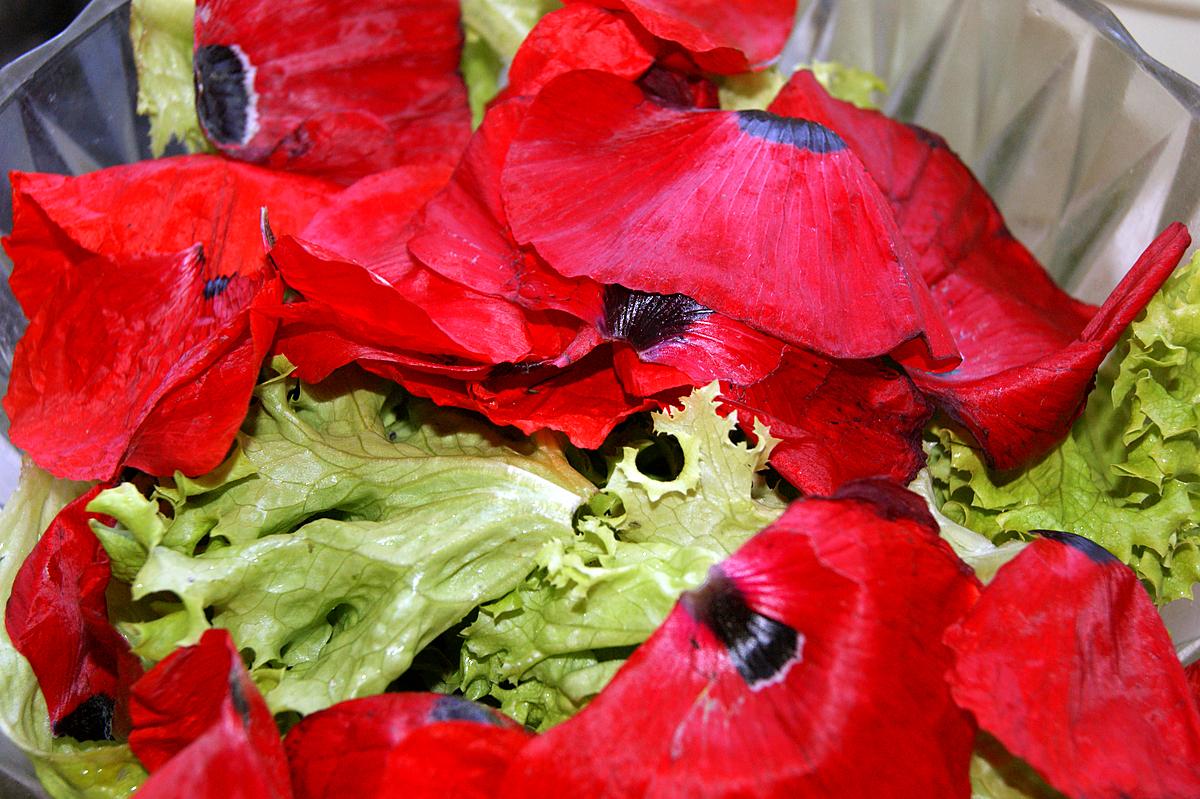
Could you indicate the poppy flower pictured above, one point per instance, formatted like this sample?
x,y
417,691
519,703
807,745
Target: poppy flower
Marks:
x,y
837,421
177,283
1030,351
805,249
199,721
798,655
415,744
1064,650
728,37
338,88
57,618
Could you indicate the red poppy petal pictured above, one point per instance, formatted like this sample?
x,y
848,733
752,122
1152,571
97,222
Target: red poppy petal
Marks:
x,y
355,748
1066,661
199,708
57,618
463,233
466,761
151,207
1029,350
341,88
799,655
838,421
684,214
1021,411
115,347
727,37
579,36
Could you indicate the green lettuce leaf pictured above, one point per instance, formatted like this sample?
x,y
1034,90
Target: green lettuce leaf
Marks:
x,y
481,69
1128,475
351,527
998,774
67,768
553,643
750,90
853,85
757,90
161,32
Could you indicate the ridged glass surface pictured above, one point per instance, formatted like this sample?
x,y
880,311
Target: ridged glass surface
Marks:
x,y
1089,146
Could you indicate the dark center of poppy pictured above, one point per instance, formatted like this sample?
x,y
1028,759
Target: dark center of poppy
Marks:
x,y
90,721
645,319
1097,553
760,648
224,94
215,286
453,708
800,133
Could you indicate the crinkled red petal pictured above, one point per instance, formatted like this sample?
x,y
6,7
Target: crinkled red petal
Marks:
x,y
1029,350
838,421
726,37
813,654
463,233
57,618
770,221
1192,673
199,721
579,36
338,88
151,207
128,349
400,743
1066,661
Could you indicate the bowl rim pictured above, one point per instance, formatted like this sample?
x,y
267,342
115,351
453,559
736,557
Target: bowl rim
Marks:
x,y
1095,13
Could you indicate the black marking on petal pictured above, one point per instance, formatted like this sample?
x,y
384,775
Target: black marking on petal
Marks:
x,y
761,649
224,94
215,286
801,133
645,319
453,708
929,137
1097,553
237,695
90,721
890,500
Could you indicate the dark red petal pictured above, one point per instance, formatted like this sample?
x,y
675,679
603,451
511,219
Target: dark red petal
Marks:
x,y
798,669
357,748
122,349
823,266
837,420
1066,661
198,713
463,233
579,36
57,618
1029,350
151,207
341,88
1192,673
726,37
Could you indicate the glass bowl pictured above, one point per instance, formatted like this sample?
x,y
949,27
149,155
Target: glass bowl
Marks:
x,y
1088,144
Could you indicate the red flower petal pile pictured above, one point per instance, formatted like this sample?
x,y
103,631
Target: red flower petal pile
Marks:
x,y
606,241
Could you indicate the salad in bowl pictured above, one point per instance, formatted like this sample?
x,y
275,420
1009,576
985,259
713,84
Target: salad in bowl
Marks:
x,y
517,399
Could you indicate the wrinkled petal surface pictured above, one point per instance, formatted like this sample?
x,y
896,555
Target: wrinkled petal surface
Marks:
x,y
1066,661
57,618
837,420
199,720
339,88
798,657
726,37
409,743
142,362
773,222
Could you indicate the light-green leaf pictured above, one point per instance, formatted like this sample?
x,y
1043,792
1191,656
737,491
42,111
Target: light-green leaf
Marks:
x,y
161,31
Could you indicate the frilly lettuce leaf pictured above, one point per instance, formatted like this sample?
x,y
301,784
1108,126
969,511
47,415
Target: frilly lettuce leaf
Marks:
x,y
552,644
350,528
67,768
1128,475
162,35
481,68
750,90
851,84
